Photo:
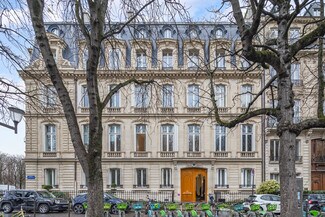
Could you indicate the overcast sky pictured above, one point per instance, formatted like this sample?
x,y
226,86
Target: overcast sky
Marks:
x,y
14,144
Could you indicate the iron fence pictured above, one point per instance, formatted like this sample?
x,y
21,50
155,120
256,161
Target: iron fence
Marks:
x,y
130,195
230,197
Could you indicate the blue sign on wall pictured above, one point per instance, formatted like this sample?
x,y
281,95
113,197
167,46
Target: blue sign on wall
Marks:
x,y
31,177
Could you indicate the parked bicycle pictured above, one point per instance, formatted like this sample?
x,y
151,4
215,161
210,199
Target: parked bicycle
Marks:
x,y
205,210
152,208
137,207
255,211
121,209
270,208
173,210
107,209
189,210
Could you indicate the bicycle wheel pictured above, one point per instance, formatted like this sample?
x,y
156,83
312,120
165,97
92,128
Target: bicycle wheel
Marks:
x,y
251,214
268,214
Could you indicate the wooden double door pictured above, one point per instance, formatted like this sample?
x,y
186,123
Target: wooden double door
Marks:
x,y
193,184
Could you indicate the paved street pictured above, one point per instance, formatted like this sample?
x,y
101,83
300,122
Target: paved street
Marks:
x,y
65,214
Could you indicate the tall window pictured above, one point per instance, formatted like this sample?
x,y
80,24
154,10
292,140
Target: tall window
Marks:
x,y
166,177
193,58
141,175
50,96
272,74
295,73
194,137
167,33
220,138
114,137
115,177
219,33
114,58
246,137
220,93
141,131
84,58
141,59
168,137
244,63
50,178
247,177
220,59
114,102
296,111
273,33
84,97
193,97
298,149
141,96
294,35
193,33
222,177
167,61
274,150
85,131
50,137
246,95
167,96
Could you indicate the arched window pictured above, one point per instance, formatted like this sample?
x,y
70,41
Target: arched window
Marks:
x,y
219,33
167,33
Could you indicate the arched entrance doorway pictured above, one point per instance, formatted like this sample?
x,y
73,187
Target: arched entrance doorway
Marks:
x,y
193,184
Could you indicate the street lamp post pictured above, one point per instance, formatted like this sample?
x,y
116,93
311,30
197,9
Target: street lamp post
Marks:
x,y
16,115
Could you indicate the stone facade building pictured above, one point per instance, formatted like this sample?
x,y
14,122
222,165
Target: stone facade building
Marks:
x,y
164,137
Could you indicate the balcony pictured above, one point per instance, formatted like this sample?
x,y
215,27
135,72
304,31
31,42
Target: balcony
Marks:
x,y
49,154
221,186
220,154
115,186
50,110
113,110
243,109
223,110
83,187
250,186
141,154
193,154
166,186
167,110
140,110
247,154
140,186
84,109
168,154
114,154
167,68
193,109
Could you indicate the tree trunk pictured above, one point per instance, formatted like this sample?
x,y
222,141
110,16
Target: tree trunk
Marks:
x,y
95,188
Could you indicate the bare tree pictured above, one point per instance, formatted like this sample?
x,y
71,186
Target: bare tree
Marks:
x,y
98,28
278,53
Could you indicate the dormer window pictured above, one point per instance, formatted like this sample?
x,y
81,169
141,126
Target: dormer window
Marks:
x,y
167,33
193,33
142,33
56,31
316,12
219,33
